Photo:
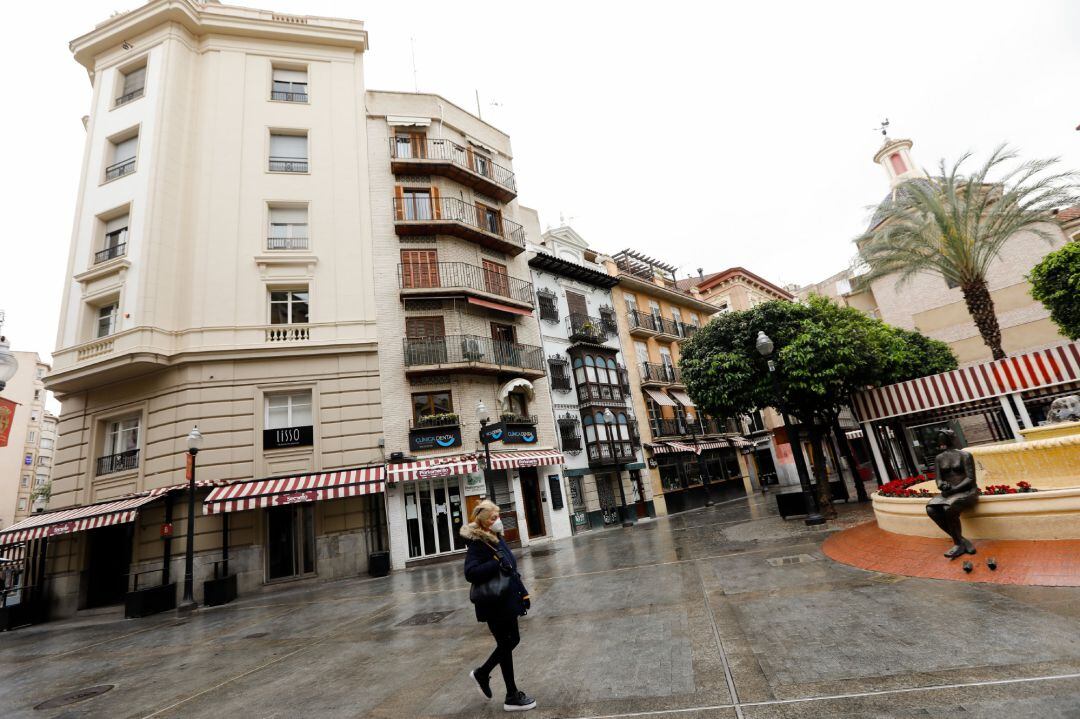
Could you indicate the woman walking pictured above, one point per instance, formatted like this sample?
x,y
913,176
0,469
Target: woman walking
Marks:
x,y
500,598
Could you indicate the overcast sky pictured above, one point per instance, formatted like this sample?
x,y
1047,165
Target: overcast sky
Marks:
x,y
706,134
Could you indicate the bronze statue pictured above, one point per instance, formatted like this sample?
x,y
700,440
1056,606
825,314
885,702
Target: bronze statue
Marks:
x,y
956,480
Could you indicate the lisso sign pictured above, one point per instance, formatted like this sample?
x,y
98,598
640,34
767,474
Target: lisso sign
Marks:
x,y
287,437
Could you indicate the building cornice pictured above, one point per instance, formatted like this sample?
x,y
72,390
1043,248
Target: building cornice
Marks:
x,y
211,18
670,295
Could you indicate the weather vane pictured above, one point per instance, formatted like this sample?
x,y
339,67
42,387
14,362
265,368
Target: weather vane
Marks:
x,y
884,127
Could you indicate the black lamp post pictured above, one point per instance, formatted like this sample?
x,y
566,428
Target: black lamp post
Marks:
x,y
702,464
612,427
484,416
765,347
187,604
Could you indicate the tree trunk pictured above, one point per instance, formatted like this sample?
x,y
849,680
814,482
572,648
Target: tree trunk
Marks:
x,y
980,305
845,448
825,505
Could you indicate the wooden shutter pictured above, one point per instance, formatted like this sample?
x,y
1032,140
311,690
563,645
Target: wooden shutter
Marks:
x,y
496,279
417,327
436,205
576,303
419,268
399,203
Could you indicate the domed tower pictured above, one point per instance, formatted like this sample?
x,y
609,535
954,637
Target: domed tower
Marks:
x,y
895,157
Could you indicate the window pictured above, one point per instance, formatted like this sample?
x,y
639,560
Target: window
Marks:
x,y
289,85
676,317
22,504
115,240
898,166
288,228
694,320
41,480
654,307
44,461
40,372
419,268
26,480
288,153
31,435
46,443
517,405
288,410
481,163
417,203
122,436
123,157
490,218
558,374
665,357
549,306
37,394
106,320
132,86
723,306
496,278
420,327
576,303
607,320
408,145
631,303
288,307
432,404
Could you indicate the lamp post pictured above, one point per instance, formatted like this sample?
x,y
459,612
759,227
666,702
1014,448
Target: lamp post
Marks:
x,y
194,444
702,465
612,426
484,416
9,365
765,347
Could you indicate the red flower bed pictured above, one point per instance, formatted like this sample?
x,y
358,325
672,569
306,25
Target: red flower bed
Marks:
x,y
1020,488
902,487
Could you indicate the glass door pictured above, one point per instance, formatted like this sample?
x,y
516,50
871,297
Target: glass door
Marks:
x,y
290,541
434,513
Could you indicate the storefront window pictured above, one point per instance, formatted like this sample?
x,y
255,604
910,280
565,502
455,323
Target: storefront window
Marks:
x,y
426,404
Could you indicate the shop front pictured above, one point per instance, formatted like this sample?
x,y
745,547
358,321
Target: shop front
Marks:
x,y
691,473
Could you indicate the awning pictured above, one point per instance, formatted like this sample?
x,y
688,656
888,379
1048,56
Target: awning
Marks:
x,y
498,306
516,383
660,398
539,458
253,494
682,397
407,121
726,443
853,434
76,519
669,447
431,468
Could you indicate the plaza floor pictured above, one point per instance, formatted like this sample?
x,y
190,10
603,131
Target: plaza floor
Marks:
x,y
721,612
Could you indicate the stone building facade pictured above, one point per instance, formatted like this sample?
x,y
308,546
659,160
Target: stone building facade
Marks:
x,y
26,461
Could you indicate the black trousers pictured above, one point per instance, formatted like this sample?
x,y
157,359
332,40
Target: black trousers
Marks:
x,y
505,631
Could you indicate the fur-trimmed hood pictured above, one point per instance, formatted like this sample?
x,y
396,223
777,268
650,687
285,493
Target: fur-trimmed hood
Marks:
x,y
473,533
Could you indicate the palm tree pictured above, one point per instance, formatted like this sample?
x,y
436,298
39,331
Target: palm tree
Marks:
x,y
955,225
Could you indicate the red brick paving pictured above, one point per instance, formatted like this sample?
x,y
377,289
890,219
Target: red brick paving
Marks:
x,y
1050,563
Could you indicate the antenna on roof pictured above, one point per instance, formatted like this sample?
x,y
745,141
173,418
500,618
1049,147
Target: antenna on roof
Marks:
x,y
478,115
416,85
884,127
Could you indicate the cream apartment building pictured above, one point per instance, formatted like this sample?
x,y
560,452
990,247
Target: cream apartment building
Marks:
x,y
26,461
456,328
221,275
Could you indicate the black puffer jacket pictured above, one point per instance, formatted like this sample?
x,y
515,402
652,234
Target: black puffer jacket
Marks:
x,y
483,558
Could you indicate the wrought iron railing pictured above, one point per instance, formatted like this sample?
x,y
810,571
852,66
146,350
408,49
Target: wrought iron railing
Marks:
x,y
548,306
110,253
658,372
641,320
515,418
589,392
449,419
583,328
559,378
610,452
571,443
429,275
288,164
458,349
688,329
119,169
286,243
427,209
668,327
129,96
289,92
423,149
118,462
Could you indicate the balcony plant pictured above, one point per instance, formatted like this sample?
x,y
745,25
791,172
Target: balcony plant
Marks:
x,y
439,419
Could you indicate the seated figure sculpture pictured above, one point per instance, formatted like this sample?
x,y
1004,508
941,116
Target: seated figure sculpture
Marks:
x,y
956,480
1064,409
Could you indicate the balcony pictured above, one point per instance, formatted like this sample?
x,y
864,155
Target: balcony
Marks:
x,y
654,373
288,333
596,394
605,453
471,354
286,243
129,96
688,330
112,463
439,279
119,169
288,164
449,159
668,328
451,216
642,324
583,328
571,444
446,419
110,253
681,428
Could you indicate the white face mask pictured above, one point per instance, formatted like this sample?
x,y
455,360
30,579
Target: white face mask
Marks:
x,y
497,526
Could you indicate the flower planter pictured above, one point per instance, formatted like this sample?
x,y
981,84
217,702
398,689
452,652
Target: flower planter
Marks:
x,y
219,591
152,600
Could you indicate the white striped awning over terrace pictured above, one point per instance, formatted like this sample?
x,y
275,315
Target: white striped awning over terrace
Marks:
x,y
275,491
987,380
535,458
715,443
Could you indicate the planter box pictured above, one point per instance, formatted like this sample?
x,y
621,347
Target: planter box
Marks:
x,y
379,564
152,600
790,504
219,591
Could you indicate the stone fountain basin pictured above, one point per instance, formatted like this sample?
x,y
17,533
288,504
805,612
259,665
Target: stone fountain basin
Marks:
x,y
1049,458
1049,514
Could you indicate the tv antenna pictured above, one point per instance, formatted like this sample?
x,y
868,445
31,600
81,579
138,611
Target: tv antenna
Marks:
x,y
884,127
412,44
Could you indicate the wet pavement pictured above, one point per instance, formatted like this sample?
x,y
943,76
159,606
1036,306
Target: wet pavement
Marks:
x,y
721,612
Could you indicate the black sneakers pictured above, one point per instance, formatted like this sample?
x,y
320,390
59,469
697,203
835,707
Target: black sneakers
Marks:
x,y
482,683
520,702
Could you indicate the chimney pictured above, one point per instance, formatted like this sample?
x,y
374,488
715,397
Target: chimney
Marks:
x,y
700,274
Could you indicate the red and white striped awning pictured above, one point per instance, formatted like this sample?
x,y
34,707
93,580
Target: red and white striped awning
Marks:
x,y
726,443
432,468
987,380
669,447
537,458
713,443
75,519
256,493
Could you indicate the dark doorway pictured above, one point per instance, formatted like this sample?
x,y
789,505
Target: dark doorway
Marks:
x,y
639,494
107,563
534,510
290,541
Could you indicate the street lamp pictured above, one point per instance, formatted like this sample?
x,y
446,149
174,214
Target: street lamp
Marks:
x,y
765,347
484,416
194,444
9,365
612,427
702,465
